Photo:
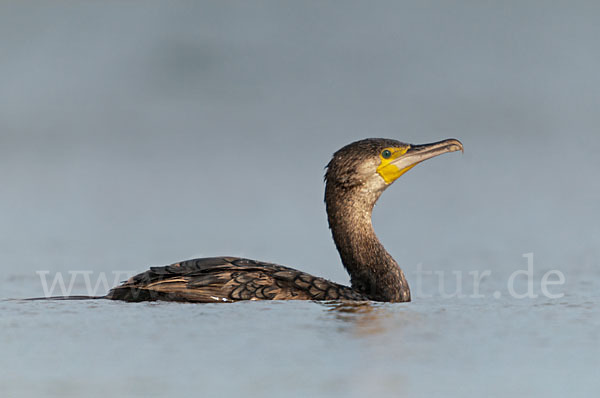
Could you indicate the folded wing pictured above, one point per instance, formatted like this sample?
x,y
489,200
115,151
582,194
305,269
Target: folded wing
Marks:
x,y
228,279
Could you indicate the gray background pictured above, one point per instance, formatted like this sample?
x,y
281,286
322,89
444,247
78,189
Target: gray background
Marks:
x,y
146,133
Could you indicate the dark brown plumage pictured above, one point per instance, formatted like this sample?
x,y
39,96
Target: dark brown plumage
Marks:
x,y
355,179
227,279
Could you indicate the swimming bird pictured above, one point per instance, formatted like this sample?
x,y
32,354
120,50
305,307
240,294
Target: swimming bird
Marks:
x,y
355,178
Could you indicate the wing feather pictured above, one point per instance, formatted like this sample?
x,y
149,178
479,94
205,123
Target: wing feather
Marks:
x,y
226,279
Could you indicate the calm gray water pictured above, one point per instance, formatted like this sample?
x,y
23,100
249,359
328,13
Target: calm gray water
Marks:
x,y
144,133
427,348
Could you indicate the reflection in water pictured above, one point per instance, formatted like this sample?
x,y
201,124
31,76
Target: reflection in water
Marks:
x,y
363,317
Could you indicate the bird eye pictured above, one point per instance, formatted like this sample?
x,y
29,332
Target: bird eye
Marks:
x,y
386,154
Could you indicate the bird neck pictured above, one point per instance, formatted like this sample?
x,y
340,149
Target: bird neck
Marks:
x,y
372,269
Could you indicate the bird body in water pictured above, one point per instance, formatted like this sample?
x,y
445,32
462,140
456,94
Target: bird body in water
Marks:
x,y
356,176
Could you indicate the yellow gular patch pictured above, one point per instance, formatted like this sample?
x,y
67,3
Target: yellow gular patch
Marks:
x,y
387,170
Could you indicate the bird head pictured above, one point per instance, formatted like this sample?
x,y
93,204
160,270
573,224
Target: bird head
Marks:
x,y
375,163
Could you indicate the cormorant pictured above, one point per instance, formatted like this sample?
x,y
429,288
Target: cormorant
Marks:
x,y
355,178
